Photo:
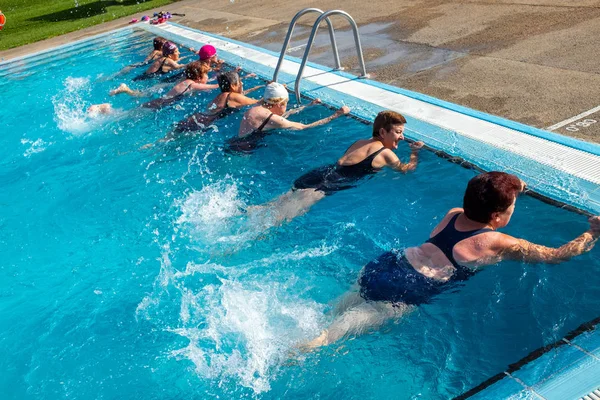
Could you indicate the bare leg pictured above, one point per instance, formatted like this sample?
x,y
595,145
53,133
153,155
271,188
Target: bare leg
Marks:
x,y
291,204
123,88
358,320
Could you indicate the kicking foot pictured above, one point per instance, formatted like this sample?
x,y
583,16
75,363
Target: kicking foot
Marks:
x,y
123,88
97,109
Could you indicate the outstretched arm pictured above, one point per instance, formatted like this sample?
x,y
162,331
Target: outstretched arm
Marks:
x,y
522,250
253,89
240,100
301,108
174,64
204,86
287,124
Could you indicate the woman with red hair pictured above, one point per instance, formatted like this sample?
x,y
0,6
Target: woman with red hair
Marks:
x,y
466,239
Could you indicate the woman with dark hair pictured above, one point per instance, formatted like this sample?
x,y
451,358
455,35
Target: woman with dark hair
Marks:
x,y
164,64
231,99
465,240
155,54
196,76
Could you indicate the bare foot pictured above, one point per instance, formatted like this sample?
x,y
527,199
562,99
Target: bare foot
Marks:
x,y
123,88
317,342
96,109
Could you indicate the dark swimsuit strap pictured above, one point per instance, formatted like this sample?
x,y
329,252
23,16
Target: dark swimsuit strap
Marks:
x,y
368,159
162,65
265,122
227,101
187,88
447,238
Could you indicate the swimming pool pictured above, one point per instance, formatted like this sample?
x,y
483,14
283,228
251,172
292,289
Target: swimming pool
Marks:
x,y
135,274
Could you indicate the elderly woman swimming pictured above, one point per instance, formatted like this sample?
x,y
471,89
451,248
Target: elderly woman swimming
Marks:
x,y
269,115
464,241
363,159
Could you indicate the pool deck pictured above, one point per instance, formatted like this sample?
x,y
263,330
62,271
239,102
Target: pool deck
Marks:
x,y
531,61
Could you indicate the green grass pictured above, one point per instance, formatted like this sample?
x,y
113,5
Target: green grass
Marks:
x,y
28,21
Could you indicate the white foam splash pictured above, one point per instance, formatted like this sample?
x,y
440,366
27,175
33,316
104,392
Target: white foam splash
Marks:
x,y
70,108
36,146
214,214
211,204
247,333
240,327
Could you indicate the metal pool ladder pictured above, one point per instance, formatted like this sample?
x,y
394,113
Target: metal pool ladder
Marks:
x,y
324,16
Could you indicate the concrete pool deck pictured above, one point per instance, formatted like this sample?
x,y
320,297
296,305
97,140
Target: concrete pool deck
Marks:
x,y
529,61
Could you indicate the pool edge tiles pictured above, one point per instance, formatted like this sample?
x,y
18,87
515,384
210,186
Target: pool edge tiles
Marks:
x,y
71,44
567,172
566,369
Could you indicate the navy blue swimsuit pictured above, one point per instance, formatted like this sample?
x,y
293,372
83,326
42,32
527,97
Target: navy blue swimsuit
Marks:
x,y
392,278
332,178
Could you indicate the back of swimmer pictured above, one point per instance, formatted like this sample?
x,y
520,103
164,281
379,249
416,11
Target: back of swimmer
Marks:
x,y
465,240
196,78
271,115
165,64
230,100
362,159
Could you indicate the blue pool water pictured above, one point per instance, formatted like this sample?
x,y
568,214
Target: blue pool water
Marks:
x,y
132,273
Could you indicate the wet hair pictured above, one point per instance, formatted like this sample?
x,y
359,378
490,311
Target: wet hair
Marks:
x,y
169,48
489,193
385,120
196,70
228,79
159,41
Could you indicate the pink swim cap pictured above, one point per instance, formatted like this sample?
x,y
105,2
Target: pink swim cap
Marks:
x,y
206,52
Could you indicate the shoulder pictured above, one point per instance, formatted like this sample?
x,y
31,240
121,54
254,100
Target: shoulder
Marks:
x,y
454,210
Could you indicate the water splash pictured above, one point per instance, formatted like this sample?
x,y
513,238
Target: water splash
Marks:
x,y
36,146
70,108
240,327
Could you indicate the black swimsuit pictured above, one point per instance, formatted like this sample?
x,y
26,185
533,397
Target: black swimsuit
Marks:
x,y
173,76
250,142
199,121
163,101
392,278
332,178
148,75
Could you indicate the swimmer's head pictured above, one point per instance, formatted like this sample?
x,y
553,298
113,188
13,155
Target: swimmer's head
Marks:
x,y
197,71
388,127
170,49
230,82
275,94
490,198
207,52
158,42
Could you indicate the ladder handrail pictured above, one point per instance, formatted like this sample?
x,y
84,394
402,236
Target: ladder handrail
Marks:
x,y
311,39
286,42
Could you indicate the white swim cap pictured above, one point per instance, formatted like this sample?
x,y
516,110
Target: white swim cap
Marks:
x,y
275,91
